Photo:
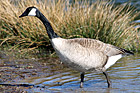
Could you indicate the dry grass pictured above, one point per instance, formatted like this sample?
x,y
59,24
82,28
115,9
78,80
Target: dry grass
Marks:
x,y
100,20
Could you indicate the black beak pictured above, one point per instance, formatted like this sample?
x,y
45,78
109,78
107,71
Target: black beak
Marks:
x,y
22,15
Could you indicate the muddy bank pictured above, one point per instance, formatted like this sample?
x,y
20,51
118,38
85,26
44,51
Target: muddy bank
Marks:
x,y
13,70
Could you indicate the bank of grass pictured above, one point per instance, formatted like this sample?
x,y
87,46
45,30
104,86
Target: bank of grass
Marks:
x,y
100,20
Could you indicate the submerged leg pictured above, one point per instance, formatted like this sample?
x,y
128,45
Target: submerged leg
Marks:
x,y
108,80
82,79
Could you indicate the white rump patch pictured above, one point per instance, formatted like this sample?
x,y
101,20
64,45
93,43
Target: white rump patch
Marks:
x,y
32,12
112,60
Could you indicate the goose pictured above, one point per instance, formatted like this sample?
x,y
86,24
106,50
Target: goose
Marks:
x,y
81,54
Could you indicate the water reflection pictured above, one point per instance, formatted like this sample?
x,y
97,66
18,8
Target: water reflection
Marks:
x,y
125,77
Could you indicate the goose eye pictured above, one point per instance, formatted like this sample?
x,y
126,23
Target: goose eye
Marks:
x,y
29,9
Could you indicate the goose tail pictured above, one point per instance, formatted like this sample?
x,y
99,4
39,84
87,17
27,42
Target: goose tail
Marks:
x,y
126,52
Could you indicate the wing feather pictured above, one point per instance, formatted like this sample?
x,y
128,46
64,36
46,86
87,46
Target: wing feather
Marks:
x,y
93,44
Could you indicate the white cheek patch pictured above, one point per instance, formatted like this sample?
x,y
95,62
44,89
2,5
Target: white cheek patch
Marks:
x,y
32,12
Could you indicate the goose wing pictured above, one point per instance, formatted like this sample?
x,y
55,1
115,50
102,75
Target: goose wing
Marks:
x,y
93,44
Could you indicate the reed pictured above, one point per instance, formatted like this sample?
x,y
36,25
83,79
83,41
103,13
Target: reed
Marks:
x,y
100,20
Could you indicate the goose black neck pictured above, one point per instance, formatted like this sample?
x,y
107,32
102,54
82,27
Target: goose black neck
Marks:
x,y
47,25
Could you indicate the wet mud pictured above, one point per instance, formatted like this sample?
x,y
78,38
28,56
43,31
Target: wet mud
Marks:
x,y
13,70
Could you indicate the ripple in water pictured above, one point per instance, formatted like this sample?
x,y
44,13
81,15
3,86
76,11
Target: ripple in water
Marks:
x,y
125,77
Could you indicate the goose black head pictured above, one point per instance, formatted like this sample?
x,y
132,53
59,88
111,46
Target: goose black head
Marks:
x,y
30,11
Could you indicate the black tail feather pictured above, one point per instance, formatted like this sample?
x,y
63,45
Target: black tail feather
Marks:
x,y
126,52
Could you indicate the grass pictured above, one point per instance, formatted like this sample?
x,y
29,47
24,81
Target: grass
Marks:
x,y
100,20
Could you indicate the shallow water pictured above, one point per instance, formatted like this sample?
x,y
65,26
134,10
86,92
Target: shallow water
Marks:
x,y
54,77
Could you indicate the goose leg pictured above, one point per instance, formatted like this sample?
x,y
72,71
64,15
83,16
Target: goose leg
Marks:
x,y
82,79
108,80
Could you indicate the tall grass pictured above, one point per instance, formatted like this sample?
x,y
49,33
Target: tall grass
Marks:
x,y
100,20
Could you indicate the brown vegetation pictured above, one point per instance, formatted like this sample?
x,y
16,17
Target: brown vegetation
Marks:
x,y
100,20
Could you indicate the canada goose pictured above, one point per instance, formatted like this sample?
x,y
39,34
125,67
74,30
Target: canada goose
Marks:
x,y
81,54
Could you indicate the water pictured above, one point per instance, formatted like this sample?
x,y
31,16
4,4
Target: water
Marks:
x,y
135,3
132,2
125,77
